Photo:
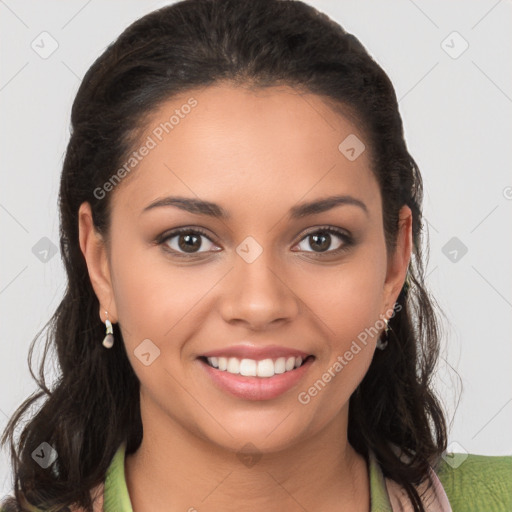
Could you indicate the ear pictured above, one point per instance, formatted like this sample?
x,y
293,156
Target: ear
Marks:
x,y
399,261
95,253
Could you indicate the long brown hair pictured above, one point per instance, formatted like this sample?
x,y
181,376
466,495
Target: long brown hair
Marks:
x,y
94,404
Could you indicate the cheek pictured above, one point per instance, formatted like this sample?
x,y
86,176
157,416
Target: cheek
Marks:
x,y
348,298
348,301
156,299
136,292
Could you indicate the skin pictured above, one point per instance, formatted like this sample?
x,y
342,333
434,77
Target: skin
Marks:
x,y
257,153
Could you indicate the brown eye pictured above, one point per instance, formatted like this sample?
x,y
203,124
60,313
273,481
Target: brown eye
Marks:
x,y
321,240
188,241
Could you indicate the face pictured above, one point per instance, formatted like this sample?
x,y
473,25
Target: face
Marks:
x,y
274,283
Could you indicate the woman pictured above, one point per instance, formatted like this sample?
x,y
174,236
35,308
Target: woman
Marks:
x,y
245,326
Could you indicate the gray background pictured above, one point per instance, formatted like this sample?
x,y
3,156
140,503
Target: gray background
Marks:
x,y
456,108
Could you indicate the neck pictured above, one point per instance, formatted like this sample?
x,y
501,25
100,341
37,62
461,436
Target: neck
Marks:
x,y
176,469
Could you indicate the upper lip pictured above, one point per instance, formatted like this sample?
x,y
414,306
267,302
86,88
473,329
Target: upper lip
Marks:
x,y
257,353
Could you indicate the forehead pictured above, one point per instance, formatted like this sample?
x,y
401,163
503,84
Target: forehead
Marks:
x,y
223,142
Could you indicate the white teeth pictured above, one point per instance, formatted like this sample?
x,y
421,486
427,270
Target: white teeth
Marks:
x,y
265,368
253,368
248,367
233,365
280,365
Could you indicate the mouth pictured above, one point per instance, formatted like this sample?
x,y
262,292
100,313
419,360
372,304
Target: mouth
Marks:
x,y
263,368
256,379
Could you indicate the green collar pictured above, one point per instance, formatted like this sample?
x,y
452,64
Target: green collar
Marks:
x,y
117,499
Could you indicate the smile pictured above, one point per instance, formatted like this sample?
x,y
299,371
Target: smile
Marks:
x,y
253,368
252,379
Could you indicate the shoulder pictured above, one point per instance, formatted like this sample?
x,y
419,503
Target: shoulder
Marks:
x,y
477,482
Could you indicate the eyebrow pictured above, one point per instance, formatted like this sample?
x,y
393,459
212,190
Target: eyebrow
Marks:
x,y
201,207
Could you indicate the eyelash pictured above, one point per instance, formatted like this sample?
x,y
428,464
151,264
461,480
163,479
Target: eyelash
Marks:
x,y
348,241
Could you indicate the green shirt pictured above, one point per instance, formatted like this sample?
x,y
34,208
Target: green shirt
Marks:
x,y
473,483
477,483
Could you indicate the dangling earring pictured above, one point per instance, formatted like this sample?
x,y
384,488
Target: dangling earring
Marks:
x,y
383,343
108,340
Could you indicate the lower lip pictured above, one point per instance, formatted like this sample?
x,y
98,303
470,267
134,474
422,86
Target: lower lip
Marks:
x,y
256,388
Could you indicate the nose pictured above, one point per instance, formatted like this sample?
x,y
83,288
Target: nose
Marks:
x,y
259,294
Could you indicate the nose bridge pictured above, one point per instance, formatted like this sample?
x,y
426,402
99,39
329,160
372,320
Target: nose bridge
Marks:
x,y
259,294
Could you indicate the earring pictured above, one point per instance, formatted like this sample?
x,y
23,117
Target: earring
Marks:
x,y
383,343
108,340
